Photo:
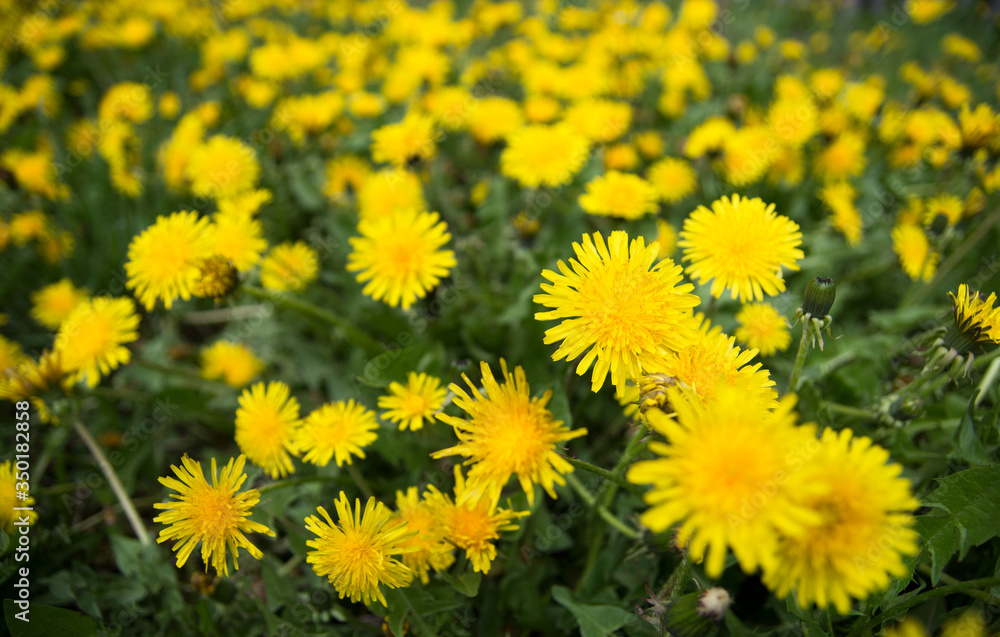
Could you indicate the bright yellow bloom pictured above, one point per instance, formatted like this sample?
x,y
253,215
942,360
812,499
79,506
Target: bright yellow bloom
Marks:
x,y
846,218
762,328
28,226
91,341
709,136
214,514
493,118
289,266
864,530
723,496
238,237
507,433
710,360
617,304
384,192
948,206
924,11
164,260
618,194
472,524
234,363
673,178
742,244
599,120
51,305
432,551
407,142
419,400
29,378
914,250
975,315
222,167
980,127
127,101
909,627
356,552
343,173
399,256
336,430
9,499
303,115
266,423
540,155
843,158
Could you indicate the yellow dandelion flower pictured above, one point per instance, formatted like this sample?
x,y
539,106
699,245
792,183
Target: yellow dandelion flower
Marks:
x,y
9,499
222,167
472,524
650,144
763,328
617,304
909,627
494,118
618,194
507,433
356,552
924,11
164,260
710,360
238,237
399,257
35,172
336,430
28,226
91,341
431,549
51,305
709,136
976,320
722,496
345,174
384,192
214,514
169,105
266,423
846,218
234,363
217,277
29,378
289,267
407,142
673,178
127,101
741,244
599,120
366,105
540,155
410,405
864,530
621,157
843,158
747,154
914,250
950,207
971,623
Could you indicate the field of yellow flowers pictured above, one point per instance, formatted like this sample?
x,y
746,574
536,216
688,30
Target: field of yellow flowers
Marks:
x,y
499,318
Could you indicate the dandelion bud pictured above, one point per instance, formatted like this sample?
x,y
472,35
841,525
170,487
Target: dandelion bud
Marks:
x,y
696,614
819,297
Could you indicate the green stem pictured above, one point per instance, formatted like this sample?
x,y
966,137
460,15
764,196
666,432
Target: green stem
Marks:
x,y
360,481
847,410
677,582
606,515
356,336
607,475
800,357
635,446
116,485
865,626
948,579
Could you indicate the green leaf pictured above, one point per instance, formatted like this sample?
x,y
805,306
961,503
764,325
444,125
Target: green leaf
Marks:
x,y
594,621
47,621
971,503
969,446
467,583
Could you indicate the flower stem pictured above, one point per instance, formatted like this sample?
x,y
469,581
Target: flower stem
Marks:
x,y
865,625
974,593
635,446
800,357
606,515
607,475
356,336
116,485
360,481
677,582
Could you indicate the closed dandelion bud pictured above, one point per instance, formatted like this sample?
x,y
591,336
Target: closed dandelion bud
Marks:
x,y
696,614
819,297
217,278
906,409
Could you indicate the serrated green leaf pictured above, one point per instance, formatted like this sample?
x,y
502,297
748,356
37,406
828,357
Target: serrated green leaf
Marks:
x,y
467,583
47,621
594,621
969,446
972,505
